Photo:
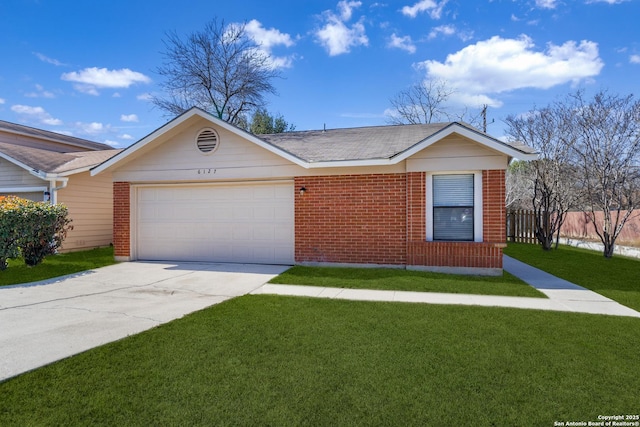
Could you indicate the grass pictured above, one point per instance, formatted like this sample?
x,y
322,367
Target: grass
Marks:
x,y
56,265
617,278
406,280
270,360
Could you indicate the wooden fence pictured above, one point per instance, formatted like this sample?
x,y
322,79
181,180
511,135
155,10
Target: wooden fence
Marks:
x,y
521,226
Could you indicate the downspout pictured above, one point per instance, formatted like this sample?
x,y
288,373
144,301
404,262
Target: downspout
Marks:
x,y
54,190
52,179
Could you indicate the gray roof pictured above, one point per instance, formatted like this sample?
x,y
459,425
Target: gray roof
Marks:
x,y
52,136
364,143
53,162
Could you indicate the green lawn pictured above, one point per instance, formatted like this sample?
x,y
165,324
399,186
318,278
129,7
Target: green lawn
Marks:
x,y
405,280
56,265
270,360
617,278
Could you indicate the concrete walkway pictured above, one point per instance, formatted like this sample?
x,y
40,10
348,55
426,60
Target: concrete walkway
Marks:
x,y
562,295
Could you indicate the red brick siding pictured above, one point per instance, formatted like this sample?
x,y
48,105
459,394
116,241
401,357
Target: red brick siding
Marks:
x,y
122,219
486,254
351,219
416,206
494,211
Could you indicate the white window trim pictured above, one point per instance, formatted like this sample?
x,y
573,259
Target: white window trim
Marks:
x,y
477,203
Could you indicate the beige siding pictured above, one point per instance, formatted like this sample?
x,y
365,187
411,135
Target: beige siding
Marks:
x,y
15,176
456,153
90,203
178,160
175,158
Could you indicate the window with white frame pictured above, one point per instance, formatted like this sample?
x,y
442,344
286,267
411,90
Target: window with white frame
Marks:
x,y
454,207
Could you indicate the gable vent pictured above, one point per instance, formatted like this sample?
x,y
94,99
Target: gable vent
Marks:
x,y
207,141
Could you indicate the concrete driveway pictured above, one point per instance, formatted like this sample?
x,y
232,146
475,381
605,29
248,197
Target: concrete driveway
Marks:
x,y
48,321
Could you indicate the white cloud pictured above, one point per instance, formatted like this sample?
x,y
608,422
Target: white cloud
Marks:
x,y
431,6
114,144
404,43
335,36
268,39
2,101
126,136
93,128
89,79
546,4
36,113
346,9
445,30
634,59
144,97
48,60
88,89
129,117
500,65
40,93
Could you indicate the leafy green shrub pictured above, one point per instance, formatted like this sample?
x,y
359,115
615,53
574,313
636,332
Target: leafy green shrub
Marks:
x,y
10,209
44,229
36,229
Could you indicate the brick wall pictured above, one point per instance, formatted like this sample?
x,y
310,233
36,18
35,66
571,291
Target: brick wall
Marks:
x,y
351,219
486,254
121,219
494,212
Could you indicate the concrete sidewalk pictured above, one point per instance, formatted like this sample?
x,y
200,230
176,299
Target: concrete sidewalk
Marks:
x,y
562,295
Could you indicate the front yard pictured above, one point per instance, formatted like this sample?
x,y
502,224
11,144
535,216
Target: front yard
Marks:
x,y
270,360
406,280
267,360
56,266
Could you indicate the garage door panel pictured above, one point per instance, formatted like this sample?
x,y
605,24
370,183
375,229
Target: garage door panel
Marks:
x,y
217,223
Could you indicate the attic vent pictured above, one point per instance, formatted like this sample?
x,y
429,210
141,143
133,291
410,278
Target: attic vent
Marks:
x,y
207,141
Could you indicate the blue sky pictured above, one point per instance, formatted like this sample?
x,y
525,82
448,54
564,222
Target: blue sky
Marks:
x,y
86,68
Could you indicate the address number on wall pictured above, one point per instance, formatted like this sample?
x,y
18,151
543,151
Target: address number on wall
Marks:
x,y
206,171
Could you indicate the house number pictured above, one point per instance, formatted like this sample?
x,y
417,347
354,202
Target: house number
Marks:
x,y
206,171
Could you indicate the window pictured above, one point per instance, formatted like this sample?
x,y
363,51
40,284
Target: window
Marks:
x,y
453,207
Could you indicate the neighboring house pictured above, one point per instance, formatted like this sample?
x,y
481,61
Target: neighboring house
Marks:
x,y
416,196
46,166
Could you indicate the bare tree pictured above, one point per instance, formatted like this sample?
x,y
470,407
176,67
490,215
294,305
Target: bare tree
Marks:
x,y
428,102
219,69
553,192
423,102
606,130
519,185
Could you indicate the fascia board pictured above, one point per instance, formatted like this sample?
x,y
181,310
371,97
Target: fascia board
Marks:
x,y
142,143
467,133
351,163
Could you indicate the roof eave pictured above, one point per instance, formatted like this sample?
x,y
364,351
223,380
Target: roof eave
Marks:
x,y
177,122
462,130
32,170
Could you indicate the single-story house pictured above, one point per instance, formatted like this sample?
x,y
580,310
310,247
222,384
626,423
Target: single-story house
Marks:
x,y
413,196
46,166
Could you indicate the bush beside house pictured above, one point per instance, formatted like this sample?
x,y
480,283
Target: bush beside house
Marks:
x,y
31,229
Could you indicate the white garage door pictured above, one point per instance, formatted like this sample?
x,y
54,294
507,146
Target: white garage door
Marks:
x,y
244,223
